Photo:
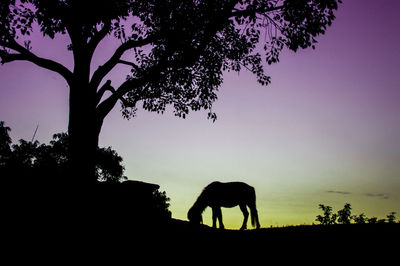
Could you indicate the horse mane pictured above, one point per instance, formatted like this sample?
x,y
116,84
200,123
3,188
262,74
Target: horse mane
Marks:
x,y
201,202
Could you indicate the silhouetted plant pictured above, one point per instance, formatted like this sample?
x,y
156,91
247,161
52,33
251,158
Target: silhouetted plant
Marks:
x,y
178,52
39,169
5,141
161,203
40,160
328,217
344,215
391,218
360,219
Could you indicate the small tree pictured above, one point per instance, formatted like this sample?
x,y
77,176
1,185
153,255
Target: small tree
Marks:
x,y
344,215
328,217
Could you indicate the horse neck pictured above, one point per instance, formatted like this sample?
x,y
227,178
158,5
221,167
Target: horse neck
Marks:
x,y
200,204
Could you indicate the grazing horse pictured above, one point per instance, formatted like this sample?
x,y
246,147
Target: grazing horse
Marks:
x,y
231,194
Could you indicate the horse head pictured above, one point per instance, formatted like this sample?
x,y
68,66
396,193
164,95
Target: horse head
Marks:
x,y
194,216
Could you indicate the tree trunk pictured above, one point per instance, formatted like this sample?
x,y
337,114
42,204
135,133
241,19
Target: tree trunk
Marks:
x,y
83,129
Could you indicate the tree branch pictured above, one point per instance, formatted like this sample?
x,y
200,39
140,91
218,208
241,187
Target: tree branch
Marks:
x,y
103,70
191,55
26,55
129,64
107,87
99,36
249,12
7,57
103,89
108,104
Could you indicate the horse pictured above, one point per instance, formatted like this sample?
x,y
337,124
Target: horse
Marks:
x,y
230,194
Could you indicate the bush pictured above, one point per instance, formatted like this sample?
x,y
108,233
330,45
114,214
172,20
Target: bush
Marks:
x,y
391,218
32,161
344,216
361,219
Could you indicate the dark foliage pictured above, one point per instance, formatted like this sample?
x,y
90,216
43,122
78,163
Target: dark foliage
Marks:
x,y
344,216
36,187
49,162
328,217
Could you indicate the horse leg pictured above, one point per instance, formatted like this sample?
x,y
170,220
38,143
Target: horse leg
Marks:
x,y
243,208
219,216
214,216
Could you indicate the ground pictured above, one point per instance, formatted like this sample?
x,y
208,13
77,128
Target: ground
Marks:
x,y
35,225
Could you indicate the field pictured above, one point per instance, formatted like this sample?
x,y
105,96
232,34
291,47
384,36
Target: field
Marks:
x,y
178,240
334,243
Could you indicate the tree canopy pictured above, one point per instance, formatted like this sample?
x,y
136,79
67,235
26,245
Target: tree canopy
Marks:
x,y
177,52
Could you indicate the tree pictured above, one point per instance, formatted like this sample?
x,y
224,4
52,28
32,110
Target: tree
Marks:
x,y
344,215
328,217
177,51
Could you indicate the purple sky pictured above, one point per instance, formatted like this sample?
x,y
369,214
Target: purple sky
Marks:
x,y
327,130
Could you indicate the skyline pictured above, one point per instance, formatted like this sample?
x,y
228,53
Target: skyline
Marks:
x,y
326,130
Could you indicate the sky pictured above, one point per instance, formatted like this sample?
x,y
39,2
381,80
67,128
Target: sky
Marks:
x,y
325,131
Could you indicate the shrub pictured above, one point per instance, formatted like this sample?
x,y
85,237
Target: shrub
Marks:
x,y
360,219
391,218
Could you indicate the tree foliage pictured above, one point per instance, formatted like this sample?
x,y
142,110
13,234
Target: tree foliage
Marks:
x,y
177,50
344,216
328,217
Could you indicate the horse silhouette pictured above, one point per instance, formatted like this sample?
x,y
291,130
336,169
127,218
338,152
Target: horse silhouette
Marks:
x,y
231,194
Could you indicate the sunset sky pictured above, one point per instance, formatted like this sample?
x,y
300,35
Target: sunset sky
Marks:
x,y
326,130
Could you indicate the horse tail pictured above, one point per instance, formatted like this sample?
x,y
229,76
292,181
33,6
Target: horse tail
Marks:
x,y
253,210
253,213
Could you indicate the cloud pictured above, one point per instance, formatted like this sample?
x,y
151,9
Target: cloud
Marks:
x,y
368,194
338,192
377,195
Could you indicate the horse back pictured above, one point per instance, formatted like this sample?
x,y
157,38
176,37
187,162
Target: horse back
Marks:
x,y
230,194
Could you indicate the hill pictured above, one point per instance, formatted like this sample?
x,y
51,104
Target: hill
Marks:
x,y
66,221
